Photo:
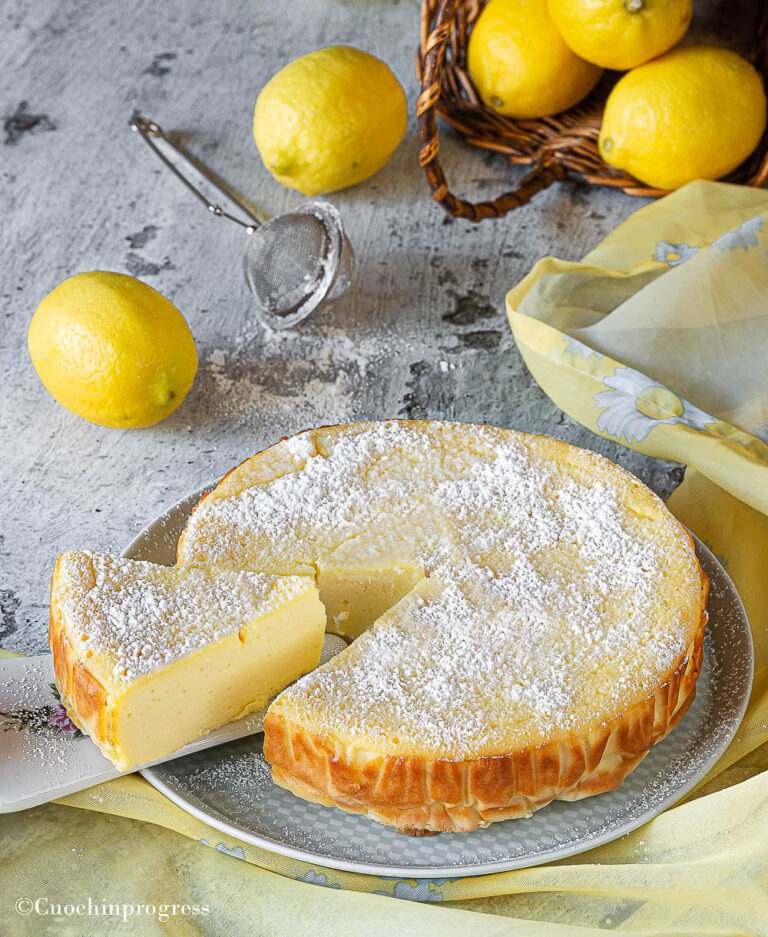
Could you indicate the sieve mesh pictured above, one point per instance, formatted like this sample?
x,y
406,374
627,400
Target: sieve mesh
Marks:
x,y
297,261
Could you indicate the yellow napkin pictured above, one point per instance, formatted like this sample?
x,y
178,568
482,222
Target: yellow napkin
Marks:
x,y
659,339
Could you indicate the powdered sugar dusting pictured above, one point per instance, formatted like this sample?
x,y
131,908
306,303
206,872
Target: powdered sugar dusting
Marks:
x,y
556,585
140,616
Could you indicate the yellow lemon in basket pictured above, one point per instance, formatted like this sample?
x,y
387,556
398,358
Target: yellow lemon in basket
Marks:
x,y
620,34
694,113
520,65
329,120
112,350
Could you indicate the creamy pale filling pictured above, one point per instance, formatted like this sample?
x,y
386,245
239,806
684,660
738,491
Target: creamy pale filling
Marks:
x,y
212,686
354,598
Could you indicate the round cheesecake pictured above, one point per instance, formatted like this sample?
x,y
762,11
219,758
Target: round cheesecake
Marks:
x,y
527,617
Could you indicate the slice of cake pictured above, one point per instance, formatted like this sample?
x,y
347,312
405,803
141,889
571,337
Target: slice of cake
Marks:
x,y
148,658
528,616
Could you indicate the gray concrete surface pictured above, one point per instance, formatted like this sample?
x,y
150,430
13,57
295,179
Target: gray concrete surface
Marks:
x,y
421,333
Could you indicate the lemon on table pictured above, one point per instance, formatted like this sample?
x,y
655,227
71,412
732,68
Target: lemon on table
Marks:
x,y
520,65
112,350
620,34
329,120
694,113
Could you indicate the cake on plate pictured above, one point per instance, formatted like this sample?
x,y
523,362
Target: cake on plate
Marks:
x,y
526,617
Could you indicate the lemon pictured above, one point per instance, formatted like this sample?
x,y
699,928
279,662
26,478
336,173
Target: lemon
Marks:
x,y
620,34
112,350
329,120
694,113
520,65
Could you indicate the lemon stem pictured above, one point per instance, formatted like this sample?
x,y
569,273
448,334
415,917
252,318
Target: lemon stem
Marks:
x,y
633,6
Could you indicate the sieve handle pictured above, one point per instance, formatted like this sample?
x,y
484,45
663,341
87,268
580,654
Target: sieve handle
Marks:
x,y
149,130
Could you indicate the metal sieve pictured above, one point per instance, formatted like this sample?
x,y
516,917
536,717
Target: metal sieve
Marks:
x,y
294,263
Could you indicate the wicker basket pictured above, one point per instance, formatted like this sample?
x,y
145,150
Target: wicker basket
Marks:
x,y
559,147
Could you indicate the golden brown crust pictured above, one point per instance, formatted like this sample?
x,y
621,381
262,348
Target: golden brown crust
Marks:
x,y
86,701
417,795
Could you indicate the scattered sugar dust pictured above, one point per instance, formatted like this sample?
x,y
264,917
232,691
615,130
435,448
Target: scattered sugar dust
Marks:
x,y
287,374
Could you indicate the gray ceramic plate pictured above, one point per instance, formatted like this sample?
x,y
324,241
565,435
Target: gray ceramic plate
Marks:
x,y
230,787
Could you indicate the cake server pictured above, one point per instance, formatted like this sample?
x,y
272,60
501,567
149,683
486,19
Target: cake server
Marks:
x,y
293,264
43,756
